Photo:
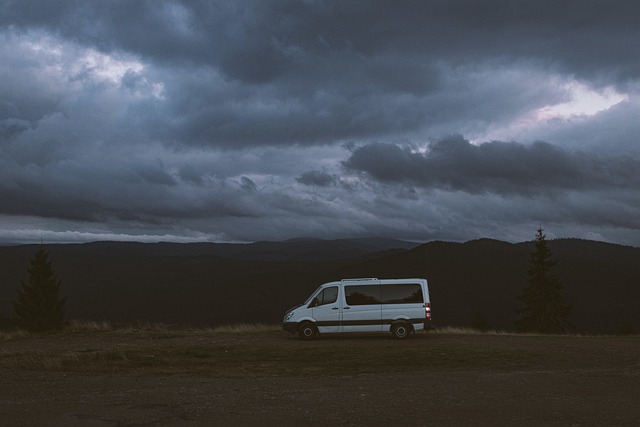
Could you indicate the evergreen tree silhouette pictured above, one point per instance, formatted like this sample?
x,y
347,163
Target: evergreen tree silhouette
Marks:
x,y
544,308
38,306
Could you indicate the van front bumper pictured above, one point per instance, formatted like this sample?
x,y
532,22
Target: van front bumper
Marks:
x,y
291,327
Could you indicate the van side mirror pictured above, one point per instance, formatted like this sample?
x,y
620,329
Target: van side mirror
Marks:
x,y
314,303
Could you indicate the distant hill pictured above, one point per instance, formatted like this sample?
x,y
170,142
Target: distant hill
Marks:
x,y
209,284
289,250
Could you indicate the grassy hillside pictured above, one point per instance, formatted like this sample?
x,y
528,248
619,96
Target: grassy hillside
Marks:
x,y
208,284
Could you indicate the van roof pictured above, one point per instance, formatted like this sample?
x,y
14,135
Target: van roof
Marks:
x,y
374,280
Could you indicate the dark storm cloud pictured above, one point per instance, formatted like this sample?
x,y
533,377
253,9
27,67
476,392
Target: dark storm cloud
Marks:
x,y
148,195
247,184
317,178
291,72
258,41
272,119
455,164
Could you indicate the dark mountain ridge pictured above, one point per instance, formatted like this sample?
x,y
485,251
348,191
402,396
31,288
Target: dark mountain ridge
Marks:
x,y
209,284
289,250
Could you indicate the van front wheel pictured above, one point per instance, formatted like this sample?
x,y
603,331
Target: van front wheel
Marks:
x,y
307,331
400,330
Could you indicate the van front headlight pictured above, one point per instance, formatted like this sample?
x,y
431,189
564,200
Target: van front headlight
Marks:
x,y
288,316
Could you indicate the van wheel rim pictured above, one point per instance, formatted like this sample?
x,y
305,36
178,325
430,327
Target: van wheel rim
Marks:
x,y
400,331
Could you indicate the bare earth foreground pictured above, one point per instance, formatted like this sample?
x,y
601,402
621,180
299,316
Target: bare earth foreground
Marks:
x,y
152,376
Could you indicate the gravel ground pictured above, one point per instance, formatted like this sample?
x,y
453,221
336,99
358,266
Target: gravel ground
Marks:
x,y
573,381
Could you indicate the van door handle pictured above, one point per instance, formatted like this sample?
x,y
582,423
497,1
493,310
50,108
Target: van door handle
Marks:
x,y
334,308
347,308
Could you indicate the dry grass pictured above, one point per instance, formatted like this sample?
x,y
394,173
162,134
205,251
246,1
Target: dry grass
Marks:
x,y
87,326
13,334
457,330
77,360
250,350
460,330
247,360
91,346
93,326
465,330
243,350
244,328
103,326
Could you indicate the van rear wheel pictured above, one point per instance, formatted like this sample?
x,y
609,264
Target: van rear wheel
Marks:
x,y
400,330
307,331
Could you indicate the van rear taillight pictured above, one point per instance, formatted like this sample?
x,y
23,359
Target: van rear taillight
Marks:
x,y
427,309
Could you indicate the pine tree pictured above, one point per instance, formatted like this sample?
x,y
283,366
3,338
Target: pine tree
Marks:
x,y
544,308
38,306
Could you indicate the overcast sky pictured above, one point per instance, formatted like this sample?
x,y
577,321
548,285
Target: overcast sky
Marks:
x,y
269,120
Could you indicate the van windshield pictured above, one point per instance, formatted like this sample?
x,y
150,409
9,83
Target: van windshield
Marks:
x,y
313,294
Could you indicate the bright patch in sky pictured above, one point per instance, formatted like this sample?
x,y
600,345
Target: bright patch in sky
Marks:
x,y
66,58
106,67
66,63
584,101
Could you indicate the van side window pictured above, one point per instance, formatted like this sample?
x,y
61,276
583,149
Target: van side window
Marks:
x,y
328,296
402,294
362,295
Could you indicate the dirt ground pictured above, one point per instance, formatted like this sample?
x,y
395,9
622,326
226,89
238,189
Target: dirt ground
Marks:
x,y
274,379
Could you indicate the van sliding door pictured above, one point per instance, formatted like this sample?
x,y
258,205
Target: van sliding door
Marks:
x,y
362,311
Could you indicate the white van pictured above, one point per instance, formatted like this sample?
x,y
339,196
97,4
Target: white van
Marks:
x,y
399,306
